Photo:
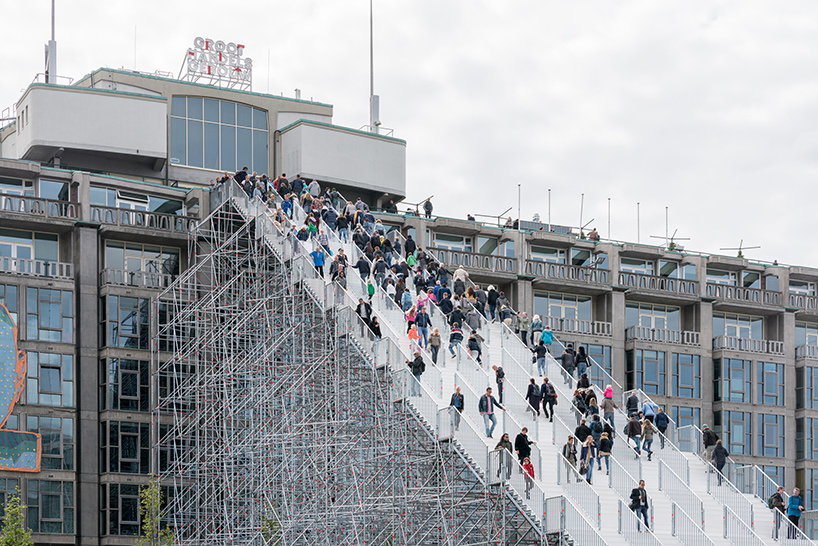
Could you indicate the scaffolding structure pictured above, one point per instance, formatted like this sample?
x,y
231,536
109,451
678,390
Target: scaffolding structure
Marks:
x,y
273,424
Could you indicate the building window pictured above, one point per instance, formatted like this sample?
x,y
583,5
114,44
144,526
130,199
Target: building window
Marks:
x,y
806,388
687,375
661,317
646,371
8,297
16,186
125,384
731,378
600,355
138,257
217,135
50,379
49,315
806,479
770,435
806,433
715,276
804,288
29,245
735,429
121,199
684,416
124,447
565,306
50,506
57,436
120,509
545,254
741,326
124,322
806,333
631,265
7,487
770,384
452,242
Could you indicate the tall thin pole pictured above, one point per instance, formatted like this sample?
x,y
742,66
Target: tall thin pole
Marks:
x,y
53,23
371,68
549,209
581,209
637,223
667,230
518,205
609,218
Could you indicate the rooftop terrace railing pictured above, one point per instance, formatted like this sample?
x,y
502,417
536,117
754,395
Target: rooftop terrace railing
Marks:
x,y
139,279
39,206
36,268
740,293
590,275
803,302
171,223
659,283
473,260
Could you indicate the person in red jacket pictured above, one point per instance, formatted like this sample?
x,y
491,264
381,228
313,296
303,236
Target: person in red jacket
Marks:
x,y
528,470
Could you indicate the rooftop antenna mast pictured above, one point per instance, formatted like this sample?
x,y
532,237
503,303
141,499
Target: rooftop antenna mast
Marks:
x,y
374,100
51,52
670,240
740,248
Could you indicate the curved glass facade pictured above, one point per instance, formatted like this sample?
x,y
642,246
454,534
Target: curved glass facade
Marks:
x,y
218,134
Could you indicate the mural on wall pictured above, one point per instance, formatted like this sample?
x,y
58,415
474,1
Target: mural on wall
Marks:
x,y
18,450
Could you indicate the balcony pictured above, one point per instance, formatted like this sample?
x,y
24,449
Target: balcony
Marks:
x,y
138,279
39,207
762,346
804,302
549,270
744,295
170,223
577,326
663,335
36,268
806,351
659,284
472,260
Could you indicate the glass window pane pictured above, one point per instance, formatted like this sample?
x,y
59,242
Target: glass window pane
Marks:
x,y
244,116
211,110
46,247
244,148
177,107
50,380
178,142
51,507
194,108
211,146
260,151
259,119
228,113
194,143
114,255
228,147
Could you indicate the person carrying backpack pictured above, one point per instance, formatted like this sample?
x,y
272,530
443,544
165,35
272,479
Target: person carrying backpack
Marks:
x,y
776,504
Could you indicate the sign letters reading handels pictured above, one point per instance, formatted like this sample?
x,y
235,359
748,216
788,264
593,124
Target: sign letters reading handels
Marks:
x,y
218,63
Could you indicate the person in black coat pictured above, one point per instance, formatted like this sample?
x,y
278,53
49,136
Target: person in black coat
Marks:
x,y
632,404
639,503
533,396
522,445
582,432
719,458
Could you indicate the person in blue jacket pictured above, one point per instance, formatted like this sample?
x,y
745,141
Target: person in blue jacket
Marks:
x,y
794,508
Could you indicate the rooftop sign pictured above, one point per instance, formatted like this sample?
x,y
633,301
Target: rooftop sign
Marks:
x,y
218,63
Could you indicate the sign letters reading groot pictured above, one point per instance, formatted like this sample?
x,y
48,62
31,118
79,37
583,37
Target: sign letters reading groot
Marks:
x,y
218,63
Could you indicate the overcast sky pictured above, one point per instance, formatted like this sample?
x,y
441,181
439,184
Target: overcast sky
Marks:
x,y
708,108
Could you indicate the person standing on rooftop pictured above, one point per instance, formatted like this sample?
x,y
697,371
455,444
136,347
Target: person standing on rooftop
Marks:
x,y
427,207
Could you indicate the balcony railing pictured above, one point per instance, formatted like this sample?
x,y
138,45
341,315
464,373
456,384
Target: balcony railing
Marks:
x,y
36,268
659,284
38,206
804,302
139,218
567,272
807,351
739,293
748,345
140,279
498,264
577,326
663,335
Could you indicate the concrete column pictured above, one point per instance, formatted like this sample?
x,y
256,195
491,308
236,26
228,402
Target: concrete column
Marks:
x,y
82,181
706,329
86,268
617,308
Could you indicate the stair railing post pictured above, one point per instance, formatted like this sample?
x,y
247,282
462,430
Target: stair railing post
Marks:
x,y
724,518
672,518
559,470
619,515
